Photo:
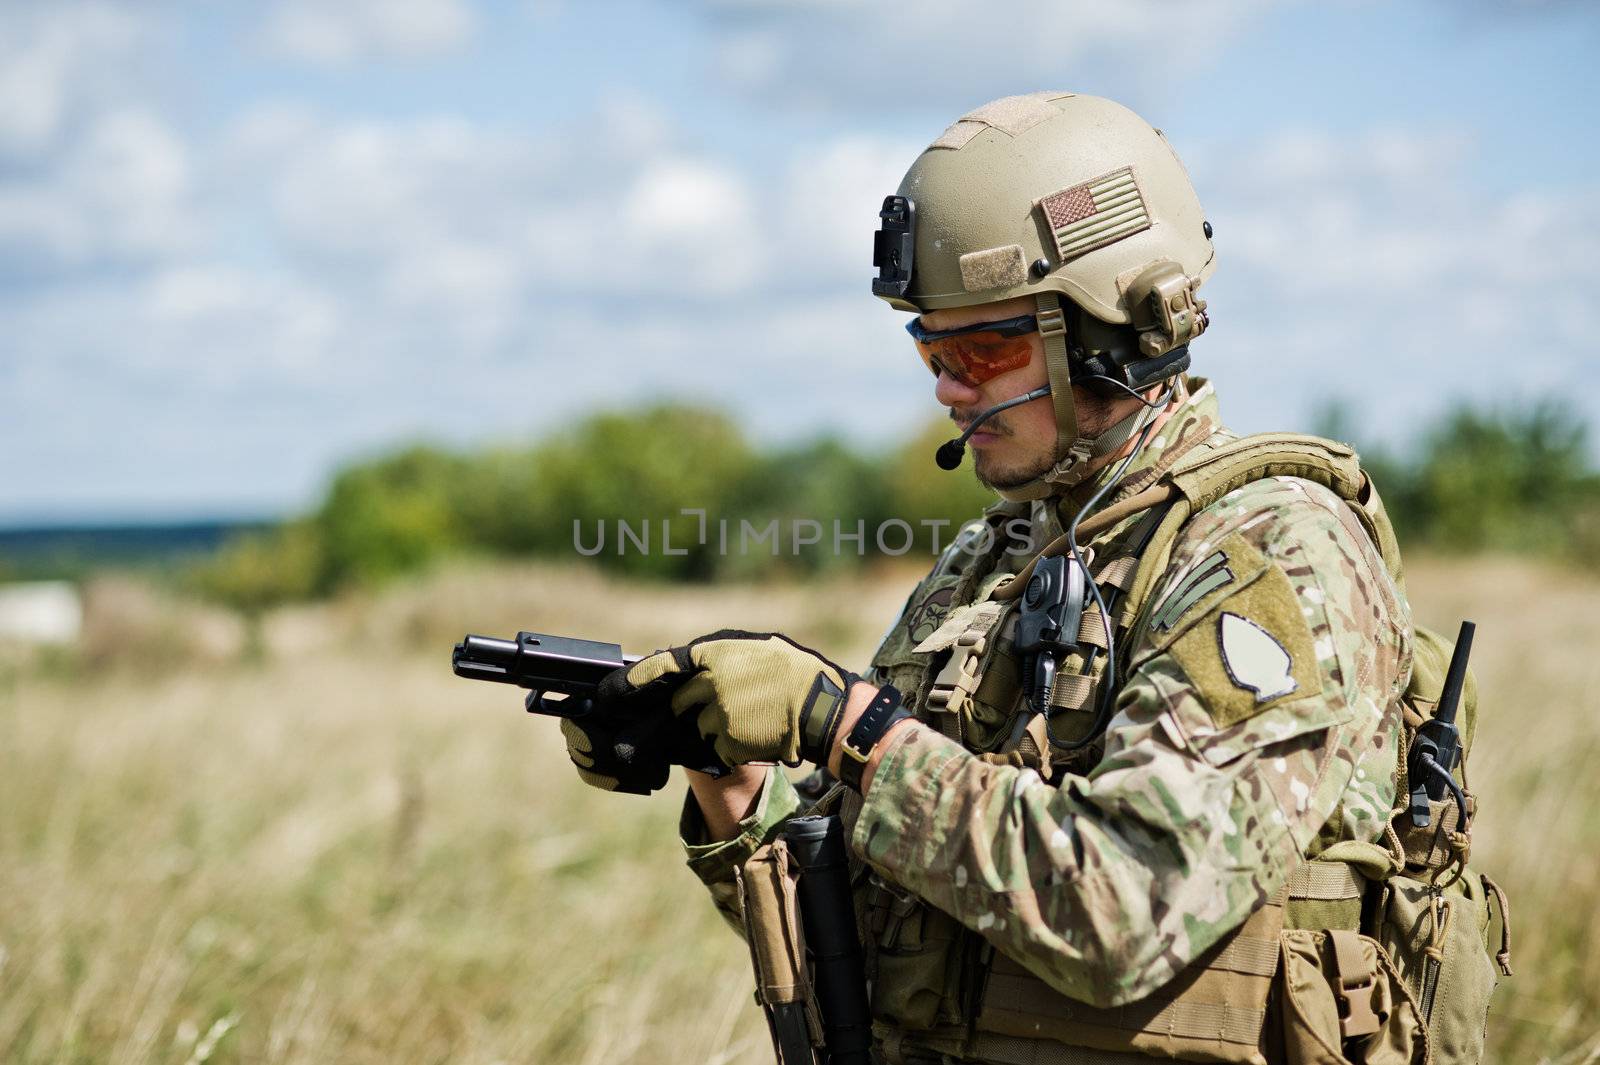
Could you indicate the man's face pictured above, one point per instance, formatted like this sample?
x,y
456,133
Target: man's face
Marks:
x,y
1016,445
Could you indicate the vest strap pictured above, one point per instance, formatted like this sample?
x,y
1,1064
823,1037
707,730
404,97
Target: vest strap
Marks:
x,y
1118,573
1324,882
1072,691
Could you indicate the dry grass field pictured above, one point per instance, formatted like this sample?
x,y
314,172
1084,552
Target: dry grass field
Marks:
x,y
308,842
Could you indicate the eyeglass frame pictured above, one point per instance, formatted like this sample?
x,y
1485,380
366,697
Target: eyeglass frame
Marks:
x,y
1021,325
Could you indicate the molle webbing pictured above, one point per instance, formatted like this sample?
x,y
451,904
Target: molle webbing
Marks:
x,y
1324,882
1207,477
1214,1010
1010,1050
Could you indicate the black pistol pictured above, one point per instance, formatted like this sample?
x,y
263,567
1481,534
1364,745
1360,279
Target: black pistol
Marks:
x,y
546,665
562,675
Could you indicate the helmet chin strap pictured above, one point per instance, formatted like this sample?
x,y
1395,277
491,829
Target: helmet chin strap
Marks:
x,y
1072,452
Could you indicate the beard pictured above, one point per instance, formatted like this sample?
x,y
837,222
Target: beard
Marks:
x,y
998,474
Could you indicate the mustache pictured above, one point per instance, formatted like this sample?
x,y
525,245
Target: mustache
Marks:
x,y
964,417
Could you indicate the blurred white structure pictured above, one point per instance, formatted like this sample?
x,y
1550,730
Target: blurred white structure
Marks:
x,y
40,612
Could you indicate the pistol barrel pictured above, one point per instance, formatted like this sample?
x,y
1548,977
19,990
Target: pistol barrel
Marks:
x,y
537,661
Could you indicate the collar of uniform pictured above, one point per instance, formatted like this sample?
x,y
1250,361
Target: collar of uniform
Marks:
x,y
1194,422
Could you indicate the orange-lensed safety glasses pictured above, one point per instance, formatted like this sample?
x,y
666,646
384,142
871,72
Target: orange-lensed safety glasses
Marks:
x,y
977,353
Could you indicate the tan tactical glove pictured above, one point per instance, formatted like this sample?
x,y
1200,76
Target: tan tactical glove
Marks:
x,y
757,696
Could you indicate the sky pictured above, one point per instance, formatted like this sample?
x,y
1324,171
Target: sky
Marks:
x,y
242,244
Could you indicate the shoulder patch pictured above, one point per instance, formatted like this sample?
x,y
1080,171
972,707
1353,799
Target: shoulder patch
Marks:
x,y
1255,653
1193,591
929,612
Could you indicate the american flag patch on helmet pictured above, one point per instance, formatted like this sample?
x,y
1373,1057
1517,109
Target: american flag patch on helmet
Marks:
x,y
1095,213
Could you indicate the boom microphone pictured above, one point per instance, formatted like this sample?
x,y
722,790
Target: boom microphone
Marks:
x,y
949,454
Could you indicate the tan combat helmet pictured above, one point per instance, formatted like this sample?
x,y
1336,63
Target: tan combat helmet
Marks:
x,y
1056,195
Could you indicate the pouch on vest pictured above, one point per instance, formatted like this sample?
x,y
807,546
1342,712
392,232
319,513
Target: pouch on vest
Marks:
x,y
1437,940
770,907
919,961
1215,1010
896,661
1341,1000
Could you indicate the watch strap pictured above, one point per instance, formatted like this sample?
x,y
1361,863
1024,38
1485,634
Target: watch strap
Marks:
x,y
884,711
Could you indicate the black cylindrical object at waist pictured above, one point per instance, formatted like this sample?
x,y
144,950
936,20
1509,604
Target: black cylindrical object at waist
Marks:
x,y
827,910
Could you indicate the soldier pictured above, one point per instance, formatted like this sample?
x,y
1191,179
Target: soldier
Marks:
x,y
1084,845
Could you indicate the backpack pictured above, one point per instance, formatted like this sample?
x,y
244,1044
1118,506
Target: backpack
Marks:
x,y
1419,899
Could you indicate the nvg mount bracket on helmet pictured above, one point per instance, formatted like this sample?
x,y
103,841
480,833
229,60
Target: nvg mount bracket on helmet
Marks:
x,y
892,247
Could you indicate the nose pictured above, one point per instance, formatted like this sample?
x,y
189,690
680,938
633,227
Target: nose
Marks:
x,y
952,393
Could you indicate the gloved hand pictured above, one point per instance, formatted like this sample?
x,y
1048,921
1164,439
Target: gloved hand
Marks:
x,y
757,696
633,747
619,754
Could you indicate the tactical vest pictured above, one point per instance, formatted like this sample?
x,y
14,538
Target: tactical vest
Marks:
x,y
1374,952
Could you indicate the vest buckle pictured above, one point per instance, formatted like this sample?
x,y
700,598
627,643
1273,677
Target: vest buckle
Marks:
x,y
1355,986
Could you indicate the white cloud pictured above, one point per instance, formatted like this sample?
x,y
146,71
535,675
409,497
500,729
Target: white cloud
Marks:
x,y
677,198
237,323
1374,268
447,214
688,223
119,192
847,54
318,31
55,60
830,200
305,282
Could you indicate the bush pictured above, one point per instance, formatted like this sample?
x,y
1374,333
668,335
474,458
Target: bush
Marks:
x,y
640,468
822,481
1514,480
1517,480
256,571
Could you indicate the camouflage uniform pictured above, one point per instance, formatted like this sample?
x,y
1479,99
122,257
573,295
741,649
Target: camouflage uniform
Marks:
x,y
1108,879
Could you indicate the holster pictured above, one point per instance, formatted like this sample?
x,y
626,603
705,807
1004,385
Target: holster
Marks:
x,y
769,903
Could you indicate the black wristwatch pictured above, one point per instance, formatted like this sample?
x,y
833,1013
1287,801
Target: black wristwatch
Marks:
x,y
884,710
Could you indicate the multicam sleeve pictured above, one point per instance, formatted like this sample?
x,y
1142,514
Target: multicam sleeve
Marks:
x,y
714,862
1234,752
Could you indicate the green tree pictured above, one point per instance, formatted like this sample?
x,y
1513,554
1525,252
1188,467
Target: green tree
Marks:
x,y
389,516
641,468
824,481
1512,480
